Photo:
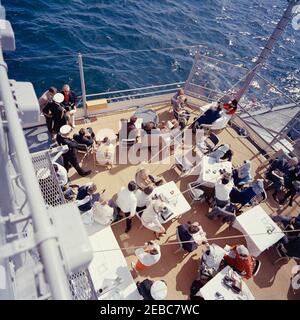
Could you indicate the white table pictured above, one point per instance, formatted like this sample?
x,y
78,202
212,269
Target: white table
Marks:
x,y
261,231
216,284
209,171
109,265
176,201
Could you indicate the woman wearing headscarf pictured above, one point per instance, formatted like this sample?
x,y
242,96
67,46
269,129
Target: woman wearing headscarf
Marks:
x,y
239,259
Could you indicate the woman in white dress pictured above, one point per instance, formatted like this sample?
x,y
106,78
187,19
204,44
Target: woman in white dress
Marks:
x,y
150,218
106,153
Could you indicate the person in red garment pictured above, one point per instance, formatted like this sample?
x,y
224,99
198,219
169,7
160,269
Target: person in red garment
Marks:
x,y
239,259
230,108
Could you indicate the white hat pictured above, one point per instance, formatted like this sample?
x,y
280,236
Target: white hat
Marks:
x,y
242,250
65,130
159,290
58,98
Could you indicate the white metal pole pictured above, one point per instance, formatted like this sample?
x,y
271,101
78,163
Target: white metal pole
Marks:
x,y
80,62
50,253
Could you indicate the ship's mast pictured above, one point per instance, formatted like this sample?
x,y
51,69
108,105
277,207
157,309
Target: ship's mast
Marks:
x,y
281,26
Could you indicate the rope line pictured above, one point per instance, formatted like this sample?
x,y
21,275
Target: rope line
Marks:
x,y
192,241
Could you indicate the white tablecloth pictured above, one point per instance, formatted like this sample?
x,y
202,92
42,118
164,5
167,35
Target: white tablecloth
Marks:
x,y
261,231
210,170
110,265
176,201
216,284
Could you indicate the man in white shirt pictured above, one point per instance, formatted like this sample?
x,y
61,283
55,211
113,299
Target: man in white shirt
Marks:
x,y
143,199
61,174
127,202
223,188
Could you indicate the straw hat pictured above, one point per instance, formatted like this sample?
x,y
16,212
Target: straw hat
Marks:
x,y
159,290
65,130
58,98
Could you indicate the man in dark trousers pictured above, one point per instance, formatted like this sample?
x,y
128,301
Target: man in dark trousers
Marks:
x,y
70,157
55,110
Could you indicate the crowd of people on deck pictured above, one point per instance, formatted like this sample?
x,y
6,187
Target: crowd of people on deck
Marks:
x,y
232,190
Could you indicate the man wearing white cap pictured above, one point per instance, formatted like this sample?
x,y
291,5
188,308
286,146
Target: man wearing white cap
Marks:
x,y
239,259
58,113
150,290
70,157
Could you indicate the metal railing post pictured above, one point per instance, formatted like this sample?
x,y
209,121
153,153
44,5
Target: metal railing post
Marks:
x,y
80,62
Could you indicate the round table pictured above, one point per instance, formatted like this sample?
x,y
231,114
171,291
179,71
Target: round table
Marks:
x,y
148,115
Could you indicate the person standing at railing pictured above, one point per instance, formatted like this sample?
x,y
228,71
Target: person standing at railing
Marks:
x,y
47,97
69,104
57,112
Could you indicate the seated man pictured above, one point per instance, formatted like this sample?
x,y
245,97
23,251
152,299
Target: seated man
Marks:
x,y
174,100
144,180
292,247
131,128
223,152
246,195
277,173
223,188
292,184
240,260
85,136
88,194
230,108
106,153
186,232
61,174
209,117
150,290
242,174
288,223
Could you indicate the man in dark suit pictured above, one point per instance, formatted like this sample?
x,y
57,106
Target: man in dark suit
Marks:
x,y
185,233
70,157
85,136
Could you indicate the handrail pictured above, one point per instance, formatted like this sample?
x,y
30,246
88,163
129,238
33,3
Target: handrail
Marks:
x,y
135,89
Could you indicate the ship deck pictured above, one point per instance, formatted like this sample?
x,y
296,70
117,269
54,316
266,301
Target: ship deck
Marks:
x,y
178,270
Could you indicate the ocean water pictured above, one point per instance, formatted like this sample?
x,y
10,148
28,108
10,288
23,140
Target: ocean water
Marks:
x,y
49,35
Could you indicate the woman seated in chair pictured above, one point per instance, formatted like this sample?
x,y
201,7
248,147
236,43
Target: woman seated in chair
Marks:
x,y
150,217
143,179
223,152
240,260
186,232
242,174
105,153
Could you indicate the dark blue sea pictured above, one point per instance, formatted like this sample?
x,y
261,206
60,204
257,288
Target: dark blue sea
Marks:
x,y
50,33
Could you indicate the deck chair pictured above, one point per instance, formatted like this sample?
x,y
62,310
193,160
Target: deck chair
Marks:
x,y
256,200
195,193
85,150
183,164
282,254
180,249
256,267
127,142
